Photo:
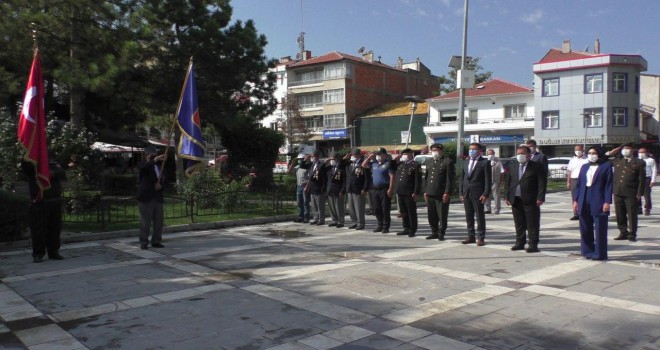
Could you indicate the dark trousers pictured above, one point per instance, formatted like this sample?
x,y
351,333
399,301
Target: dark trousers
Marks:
x,y
382,205
151,213
626,214
304,201
526,221
473,206
647,196
438,212
408,210
46,227
593,234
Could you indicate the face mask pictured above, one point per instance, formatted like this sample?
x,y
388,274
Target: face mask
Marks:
x,y
491,156
435,154
313,159
333,162
642,156
353,158
473,153
521,158
404,158
379,158
578,153
592,158
625,152
532,149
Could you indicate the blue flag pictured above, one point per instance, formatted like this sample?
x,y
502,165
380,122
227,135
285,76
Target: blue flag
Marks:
x,y
191,144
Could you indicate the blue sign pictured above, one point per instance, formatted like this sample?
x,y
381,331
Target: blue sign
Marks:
x,y
445,140
485,140
335,134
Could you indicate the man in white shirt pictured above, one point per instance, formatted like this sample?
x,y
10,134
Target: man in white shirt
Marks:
x,y
497,171
573,171
650,179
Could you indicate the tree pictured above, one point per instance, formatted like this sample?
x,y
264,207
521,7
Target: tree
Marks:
x,y
292,123
448,82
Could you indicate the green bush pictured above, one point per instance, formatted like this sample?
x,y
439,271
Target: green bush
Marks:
x,y
125,184
14,218
210,190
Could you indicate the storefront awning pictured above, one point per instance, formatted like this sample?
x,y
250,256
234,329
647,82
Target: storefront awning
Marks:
x,y
391,148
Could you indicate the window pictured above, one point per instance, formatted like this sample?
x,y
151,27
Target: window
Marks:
x,y
314,123
637,84
551,87
333,96
593,117
448,116
551,120
619,82
308,77
310,100
619,116
273,126
593,83
337,71
514,111
636,118
334,121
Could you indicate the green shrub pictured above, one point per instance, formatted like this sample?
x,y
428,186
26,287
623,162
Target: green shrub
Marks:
x,y
125,184
210,190
14,218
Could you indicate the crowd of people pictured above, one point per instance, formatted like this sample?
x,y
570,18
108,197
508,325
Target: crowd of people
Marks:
x,y
596,179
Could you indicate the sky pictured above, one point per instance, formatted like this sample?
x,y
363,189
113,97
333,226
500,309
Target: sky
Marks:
x,y
509,36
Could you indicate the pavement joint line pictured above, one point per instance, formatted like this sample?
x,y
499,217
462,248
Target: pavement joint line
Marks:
x,y
221,250
55,273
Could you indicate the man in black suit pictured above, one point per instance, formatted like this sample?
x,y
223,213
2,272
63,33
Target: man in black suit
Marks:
x,y
316,186
537,156
407,186
475,187
439,176
357,187
525,192
150,198
336,188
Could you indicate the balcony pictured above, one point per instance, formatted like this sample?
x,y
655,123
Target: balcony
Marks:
x,y
482,124
305,82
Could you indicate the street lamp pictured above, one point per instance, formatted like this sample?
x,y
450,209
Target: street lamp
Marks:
x,y
454,63
586,127
413,100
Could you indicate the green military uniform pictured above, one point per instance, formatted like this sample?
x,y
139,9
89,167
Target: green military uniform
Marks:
x,y
408,184
439,177
629,186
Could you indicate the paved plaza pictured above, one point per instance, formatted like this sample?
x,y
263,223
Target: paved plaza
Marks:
x,y
293,286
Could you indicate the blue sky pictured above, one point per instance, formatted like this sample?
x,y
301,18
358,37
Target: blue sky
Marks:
x,y
508,35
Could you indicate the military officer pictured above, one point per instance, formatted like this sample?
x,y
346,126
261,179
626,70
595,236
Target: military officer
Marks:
x,y
629,186
316,185
336,188
439,177
407,186
357,186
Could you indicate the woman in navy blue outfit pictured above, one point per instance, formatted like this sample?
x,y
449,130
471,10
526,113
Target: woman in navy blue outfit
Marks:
x,y
592,202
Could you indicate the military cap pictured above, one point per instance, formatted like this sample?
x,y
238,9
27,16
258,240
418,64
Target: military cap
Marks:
x,y
628,144
301,156
437,145
151,149
407,150
316,152
381,150
355,150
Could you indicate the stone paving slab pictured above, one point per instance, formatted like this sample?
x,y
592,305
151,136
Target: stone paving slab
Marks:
x,y
294,286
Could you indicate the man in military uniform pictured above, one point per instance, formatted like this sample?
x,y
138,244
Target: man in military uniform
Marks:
x,y
357,185
336,188
629,186
439,177
407,185
382,174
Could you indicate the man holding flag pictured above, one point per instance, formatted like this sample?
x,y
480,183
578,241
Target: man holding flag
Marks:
x,y
46,208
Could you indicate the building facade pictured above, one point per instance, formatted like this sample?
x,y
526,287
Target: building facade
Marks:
x,y
274,121
498,114
387,126
586,97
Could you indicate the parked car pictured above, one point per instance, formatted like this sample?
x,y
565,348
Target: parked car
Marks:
x,y
557,167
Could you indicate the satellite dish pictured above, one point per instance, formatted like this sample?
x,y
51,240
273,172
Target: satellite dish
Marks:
x,y
298,56
361,50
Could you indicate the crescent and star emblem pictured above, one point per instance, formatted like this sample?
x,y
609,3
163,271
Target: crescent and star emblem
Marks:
x,y
29,96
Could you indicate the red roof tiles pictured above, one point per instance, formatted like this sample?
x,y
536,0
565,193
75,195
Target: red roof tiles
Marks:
x,y
492,87
556,55
337,56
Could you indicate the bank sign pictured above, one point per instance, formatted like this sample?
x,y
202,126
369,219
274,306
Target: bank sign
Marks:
x,y
490,139
335,134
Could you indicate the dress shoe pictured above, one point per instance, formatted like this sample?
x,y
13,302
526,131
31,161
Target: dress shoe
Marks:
x,y
469,240
313,222
157,245
441,237
480,242
412,234
297,220
352,226
385,230
359,228
332,224
339,225
518,246
621,237
320,223
378,229
632,238
402,233
38,259
647,212
433,236
497,212
306,221
639,211
487,212
532,249
144,246
55,256
574,217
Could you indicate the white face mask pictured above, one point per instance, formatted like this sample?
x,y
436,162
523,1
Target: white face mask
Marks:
x,y
491,156
592,157
435,154
578,153
353,158
379,158
313,159
625,152
642,155
521,158
532,149
404,158
333,162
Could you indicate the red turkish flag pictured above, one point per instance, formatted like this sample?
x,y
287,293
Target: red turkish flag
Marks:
x,y
32,126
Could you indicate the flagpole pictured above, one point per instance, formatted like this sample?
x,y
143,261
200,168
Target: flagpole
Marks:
x,y
174,119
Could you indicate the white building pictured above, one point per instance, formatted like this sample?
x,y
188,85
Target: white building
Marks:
x,y
498,114
273,121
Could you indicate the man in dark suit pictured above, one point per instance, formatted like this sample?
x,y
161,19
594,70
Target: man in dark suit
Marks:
x,y
592,200
336,188
357,186
407,186
150,198
439,176
629,187
525,193
475,187
316,186
537,156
